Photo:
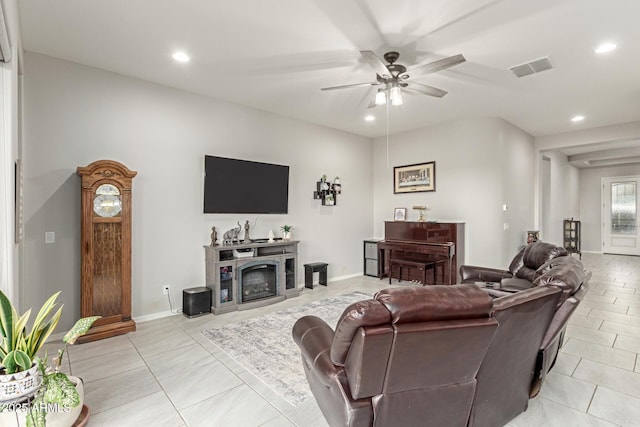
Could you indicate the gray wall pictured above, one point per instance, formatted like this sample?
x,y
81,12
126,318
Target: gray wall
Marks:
x,y
564,187
76,115
481,164
591,202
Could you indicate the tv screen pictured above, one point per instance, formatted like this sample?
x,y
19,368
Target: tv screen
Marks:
x,y
241,186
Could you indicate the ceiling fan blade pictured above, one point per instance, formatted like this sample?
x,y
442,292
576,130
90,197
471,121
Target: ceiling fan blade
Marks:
x,y
425,89
372,104
372,59
349,86
439,65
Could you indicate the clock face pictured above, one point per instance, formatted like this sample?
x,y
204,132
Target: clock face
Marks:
x,y
107,202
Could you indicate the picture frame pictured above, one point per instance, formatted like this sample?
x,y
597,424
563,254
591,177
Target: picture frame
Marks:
x,y
400,214
416,178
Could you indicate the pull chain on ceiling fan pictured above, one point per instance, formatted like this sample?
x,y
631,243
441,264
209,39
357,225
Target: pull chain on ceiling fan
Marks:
x,y
395,78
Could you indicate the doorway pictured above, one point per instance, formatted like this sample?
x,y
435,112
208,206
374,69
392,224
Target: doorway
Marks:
x,y
620,215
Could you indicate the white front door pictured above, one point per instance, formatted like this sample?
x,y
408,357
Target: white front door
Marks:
x,y
620,215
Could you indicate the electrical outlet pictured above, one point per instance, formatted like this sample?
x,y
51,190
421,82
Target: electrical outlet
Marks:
x,y
165,290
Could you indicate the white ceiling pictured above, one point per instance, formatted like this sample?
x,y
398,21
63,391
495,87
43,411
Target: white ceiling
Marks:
x,y
276,55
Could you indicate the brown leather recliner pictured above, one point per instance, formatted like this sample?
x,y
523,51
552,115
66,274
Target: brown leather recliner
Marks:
x,y
528,264
407,357
508,368
572,278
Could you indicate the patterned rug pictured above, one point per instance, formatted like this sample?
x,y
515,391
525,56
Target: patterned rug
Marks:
x,y
264,346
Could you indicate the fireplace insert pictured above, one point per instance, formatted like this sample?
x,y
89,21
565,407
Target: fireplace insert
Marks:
x,y
258,280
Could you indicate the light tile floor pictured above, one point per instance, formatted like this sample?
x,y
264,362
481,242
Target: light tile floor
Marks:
x,y
168,374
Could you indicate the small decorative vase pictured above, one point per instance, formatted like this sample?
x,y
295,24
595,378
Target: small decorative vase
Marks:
x,y
286,235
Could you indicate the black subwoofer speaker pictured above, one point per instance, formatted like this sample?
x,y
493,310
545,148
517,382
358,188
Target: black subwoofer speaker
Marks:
x,y
196,301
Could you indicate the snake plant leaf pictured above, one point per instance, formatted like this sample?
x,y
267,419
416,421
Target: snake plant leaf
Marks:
x,y
41,327
80,328
6,319
16,361
45,309
40,332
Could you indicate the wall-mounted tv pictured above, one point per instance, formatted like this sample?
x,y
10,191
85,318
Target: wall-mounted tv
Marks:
x,y
241,186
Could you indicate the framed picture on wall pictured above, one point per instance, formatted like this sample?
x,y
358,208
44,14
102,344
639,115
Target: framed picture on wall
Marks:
x,y
400,214
416,178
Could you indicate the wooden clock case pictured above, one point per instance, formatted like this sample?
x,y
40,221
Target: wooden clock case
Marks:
x,y
106,252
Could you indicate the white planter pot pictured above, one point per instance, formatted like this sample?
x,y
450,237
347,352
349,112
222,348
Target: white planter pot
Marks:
x,y
15,415
14,387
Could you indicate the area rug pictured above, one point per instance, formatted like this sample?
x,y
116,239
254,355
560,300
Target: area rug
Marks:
x,y
264,346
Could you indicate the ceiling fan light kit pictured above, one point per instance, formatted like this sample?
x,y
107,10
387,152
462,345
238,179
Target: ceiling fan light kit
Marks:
x,y
396,96
395,77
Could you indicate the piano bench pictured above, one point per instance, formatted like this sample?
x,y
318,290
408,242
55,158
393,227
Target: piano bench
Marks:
x,y
422,266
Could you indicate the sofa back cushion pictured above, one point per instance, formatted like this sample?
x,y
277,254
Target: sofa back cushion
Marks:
x,y
566,273
431,303
535,255
442,332
357,315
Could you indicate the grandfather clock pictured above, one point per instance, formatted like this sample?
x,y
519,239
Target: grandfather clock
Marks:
x,y
106,248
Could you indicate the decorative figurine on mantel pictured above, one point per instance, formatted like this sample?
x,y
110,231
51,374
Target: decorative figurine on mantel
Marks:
x,y
231,236
271,236
247,239
214,236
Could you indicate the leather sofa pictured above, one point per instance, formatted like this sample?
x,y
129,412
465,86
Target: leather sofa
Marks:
x,y
568,275
433,356
528,264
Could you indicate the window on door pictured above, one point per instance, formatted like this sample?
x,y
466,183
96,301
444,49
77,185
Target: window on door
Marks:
x,y
623,208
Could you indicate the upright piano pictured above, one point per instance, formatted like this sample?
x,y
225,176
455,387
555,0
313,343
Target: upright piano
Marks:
x,y
424,241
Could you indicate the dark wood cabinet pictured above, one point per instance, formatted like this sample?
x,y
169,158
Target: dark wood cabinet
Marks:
x,y
571,236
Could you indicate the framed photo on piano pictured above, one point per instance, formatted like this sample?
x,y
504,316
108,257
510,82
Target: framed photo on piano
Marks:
x,y
400,214
416,178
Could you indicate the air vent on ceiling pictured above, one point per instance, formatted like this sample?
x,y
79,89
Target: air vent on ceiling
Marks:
x,y
532,67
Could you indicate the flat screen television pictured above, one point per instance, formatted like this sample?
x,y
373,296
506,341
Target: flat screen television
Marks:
x,y
241,186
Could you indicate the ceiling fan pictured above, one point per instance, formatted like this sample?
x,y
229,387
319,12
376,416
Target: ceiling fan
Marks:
x,y
395,78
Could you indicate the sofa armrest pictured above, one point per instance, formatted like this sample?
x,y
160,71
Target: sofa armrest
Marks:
x,y
552,340
471,274
314,337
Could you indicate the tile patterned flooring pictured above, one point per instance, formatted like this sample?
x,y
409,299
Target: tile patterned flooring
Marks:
x,y
168,374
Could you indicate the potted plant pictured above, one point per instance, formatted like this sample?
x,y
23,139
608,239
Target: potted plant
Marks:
x,y
286,232
58,397
18,371
61,392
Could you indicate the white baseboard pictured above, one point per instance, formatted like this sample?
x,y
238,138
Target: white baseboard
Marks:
x,y
336,279
154,316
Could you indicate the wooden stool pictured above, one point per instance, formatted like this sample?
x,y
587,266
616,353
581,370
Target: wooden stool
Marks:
x,y
422,266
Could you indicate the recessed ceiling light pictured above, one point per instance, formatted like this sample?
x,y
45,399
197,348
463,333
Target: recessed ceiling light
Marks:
x,y
369,118
577,118
605,47
181,57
